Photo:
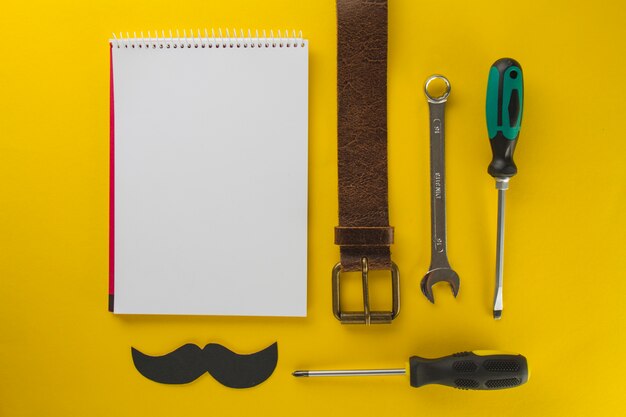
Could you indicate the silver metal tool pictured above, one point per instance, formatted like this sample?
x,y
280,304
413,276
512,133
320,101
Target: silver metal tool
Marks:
x,y
440,269
502,184
352,372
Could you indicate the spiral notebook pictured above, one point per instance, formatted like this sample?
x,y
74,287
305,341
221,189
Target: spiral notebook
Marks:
x,y
208,199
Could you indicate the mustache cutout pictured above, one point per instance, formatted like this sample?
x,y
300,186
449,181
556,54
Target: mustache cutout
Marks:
x,y
189,362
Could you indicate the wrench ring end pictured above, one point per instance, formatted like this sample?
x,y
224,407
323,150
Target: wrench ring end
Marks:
x,y
440,99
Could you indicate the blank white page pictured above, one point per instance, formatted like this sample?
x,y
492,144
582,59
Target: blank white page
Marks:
x,y
210,180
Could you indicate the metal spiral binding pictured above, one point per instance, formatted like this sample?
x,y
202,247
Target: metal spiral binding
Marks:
x,y
219,39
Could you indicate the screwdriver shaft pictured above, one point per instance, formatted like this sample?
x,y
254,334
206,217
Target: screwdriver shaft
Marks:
x,y
502,185
352,372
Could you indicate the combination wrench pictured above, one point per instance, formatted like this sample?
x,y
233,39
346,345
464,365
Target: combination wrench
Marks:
x,y
439,269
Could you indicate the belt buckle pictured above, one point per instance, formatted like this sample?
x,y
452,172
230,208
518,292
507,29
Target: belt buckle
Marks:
x,y
366,316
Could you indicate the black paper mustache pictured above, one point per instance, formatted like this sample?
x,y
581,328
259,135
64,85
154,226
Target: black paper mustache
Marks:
x,y
189,362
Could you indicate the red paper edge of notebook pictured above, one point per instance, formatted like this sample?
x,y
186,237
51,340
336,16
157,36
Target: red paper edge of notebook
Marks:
x,y
111,188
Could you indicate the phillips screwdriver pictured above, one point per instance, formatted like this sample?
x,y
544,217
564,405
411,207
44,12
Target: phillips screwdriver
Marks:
x,y
477,370
505,99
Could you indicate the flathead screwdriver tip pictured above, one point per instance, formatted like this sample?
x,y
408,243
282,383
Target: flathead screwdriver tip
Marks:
x,y
300,373
497,314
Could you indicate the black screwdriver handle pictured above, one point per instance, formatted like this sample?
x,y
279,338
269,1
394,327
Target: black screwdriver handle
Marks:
x,y
478,370
505,100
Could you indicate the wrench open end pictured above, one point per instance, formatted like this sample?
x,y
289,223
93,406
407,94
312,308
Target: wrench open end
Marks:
x,y
436,276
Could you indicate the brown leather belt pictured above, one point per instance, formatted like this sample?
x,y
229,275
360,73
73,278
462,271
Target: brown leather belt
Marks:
x,y
363,234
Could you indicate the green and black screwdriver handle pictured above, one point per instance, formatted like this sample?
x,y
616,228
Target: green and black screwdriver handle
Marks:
x,y
505,95
477,370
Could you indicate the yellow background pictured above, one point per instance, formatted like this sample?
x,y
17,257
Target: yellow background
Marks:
x,y
63,354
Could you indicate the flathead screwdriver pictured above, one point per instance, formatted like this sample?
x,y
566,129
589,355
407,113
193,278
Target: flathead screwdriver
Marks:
x,y
477,370
505,99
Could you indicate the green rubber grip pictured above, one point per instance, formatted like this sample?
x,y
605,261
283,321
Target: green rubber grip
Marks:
x,y
504,108
469,370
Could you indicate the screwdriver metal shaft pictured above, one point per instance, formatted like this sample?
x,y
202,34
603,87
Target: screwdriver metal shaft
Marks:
x,y
502,184
352,372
